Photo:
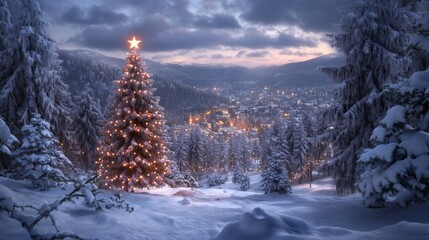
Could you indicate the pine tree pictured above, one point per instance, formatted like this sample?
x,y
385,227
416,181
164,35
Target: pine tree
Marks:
x,y
133,148
244,183
398,164
223,150
233,152
5,42
237,175
33,84
209,155
309,128
174,178
195,152
299,158
418,52
39,158
372,36
275,175
87,123
276,142
180,148
245,152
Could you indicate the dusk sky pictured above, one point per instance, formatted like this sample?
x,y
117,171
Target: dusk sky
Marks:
x,y
242,32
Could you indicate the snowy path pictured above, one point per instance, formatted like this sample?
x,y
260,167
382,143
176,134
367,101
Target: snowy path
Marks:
x,y
202,213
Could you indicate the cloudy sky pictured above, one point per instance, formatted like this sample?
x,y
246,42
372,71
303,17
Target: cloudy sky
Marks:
x,y
243,32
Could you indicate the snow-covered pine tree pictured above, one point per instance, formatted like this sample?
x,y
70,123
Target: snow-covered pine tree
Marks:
x,y
324,133
239,152
299,154
174,178
222,150
5,41
39,158
418,46
195,152
233,152
87,122
237,175
244,183
256,150
209,155
275,175
246,152
275,140
309,128
180,151
398,164
373,36
34,85
133,147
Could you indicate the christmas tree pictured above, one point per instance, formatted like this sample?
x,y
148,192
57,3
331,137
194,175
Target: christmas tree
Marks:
x,y
133,148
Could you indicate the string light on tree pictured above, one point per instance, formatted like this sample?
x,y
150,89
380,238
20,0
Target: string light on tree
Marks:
x,y
133,145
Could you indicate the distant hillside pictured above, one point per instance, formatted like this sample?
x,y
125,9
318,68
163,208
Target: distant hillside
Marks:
x,y
191,75
100,71
300,74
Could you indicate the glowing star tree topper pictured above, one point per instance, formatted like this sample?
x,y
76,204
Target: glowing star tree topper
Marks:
x,y
134,43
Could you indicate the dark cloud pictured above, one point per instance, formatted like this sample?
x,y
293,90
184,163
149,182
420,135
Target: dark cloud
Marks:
x,y
159,36
217,21
95,15
166,25
312,15
240,53
217,56
257,54
253,38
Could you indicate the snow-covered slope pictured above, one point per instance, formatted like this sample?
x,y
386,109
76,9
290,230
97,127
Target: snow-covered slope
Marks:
x,y
301,74
226,213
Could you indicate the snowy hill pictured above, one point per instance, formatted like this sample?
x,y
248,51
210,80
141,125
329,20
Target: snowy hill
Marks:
x,y
81,67
199,75
301,74
223,213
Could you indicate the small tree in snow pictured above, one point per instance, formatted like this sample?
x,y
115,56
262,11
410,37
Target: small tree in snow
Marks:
x,y
237,175
244,183
39,158
275,177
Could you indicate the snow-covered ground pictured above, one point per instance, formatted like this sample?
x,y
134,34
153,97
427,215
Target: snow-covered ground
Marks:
x,y
225,213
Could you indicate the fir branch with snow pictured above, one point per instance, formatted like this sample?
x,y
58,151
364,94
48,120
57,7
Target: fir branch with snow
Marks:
x,y
398,165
